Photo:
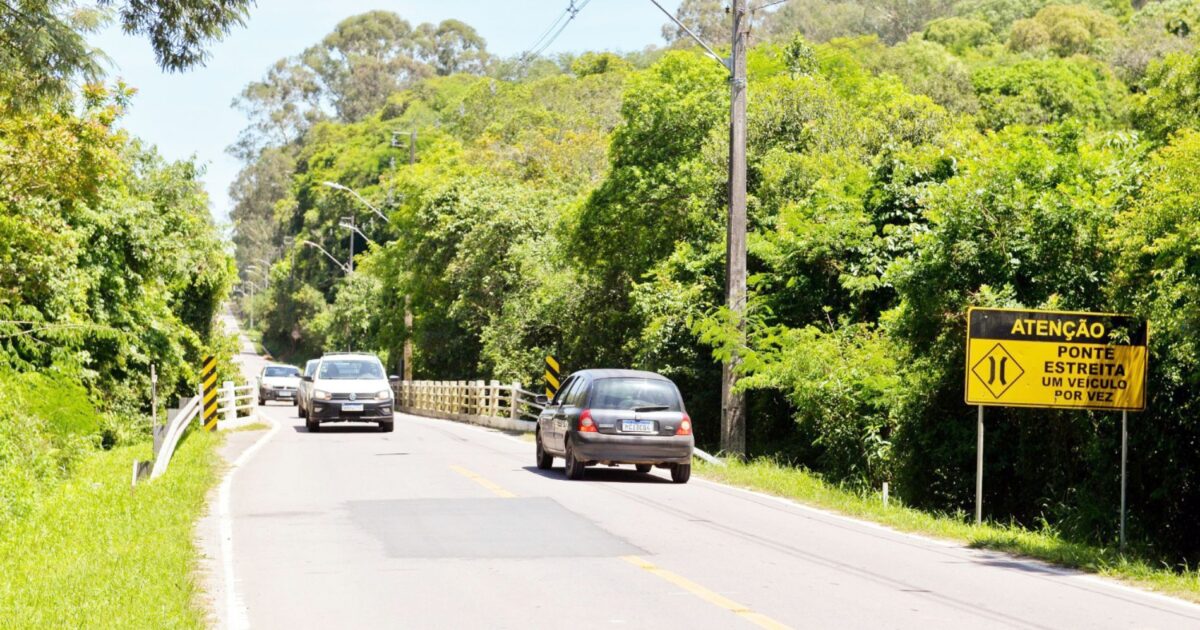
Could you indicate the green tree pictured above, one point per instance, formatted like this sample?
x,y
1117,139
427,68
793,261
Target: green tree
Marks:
x,y
706,18
46,50
959,34
1036,92
1064,29
1170,101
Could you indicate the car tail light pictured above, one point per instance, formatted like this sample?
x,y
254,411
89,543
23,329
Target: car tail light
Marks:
x,y
685,426
586,424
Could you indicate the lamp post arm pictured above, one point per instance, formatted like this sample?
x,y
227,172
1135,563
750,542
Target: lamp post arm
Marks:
x,y
337,186
331,257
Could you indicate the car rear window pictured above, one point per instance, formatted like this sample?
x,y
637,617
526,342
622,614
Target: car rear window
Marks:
x,y
281,371
632,392
350,369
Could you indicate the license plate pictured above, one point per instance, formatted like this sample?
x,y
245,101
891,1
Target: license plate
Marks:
x,y
350,407
284,394
637,426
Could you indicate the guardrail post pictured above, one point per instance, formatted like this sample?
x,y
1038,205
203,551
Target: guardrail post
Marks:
x,y
230,401
514,407
494,410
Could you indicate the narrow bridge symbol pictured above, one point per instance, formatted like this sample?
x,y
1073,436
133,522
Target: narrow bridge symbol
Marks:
x,y
997,370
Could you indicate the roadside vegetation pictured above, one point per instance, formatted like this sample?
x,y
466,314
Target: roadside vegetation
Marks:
x,y
110,263
91,553
907,160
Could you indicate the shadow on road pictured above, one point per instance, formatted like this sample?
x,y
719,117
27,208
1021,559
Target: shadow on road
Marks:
x,y
601,474
339,428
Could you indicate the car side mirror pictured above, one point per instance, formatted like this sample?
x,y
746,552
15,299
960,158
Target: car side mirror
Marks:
x,y
541,400
306,378
393,379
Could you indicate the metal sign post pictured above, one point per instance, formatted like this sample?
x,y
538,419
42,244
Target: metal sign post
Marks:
x,y
979,470
1124,448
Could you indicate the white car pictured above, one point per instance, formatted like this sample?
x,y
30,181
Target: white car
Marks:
x,y
348,387
278,382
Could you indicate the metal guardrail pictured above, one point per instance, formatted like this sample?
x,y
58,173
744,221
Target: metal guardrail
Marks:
x,y
173,431
475,398
232,399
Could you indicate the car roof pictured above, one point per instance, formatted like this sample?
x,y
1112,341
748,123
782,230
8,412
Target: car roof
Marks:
x,y
614,373
271,365
350,355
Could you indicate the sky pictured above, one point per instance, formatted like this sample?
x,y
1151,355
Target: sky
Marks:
x,y
190,114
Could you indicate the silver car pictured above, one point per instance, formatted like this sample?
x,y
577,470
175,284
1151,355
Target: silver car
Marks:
x,y
278,382
616,417
348,387
305,390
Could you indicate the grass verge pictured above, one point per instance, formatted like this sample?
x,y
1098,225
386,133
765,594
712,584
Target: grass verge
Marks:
x,y
94,553
253,426
805,487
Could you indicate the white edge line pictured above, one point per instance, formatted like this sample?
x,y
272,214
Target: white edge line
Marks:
x,y
235,613
1076,574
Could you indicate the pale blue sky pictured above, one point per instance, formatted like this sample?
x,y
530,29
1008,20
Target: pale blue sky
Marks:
x,y
190,113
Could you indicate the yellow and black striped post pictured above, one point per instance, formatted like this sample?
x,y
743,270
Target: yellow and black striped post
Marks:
x,y
552,372
208,389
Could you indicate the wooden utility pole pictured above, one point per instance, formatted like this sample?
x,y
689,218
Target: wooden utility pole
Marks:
x,y
408,316
733,404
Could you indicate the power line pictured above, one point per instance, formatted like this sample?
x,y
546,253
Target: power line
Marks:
x,y
547,39
545,34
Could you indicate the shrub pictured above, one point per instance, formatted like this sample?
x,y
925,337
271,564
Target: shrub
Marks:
x,y
958,34
1064,29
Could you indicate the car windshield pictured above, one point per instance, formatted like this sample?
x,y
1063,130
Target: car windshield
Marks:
x,y
633,393
349,369
281,371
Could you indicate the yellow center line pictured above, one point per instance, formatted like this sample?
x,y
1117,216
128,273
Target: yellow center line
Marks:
x,y
711,597
486,483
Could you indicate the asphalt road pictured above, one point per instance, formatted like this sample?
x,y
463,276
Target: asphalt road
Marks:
x,y
444,525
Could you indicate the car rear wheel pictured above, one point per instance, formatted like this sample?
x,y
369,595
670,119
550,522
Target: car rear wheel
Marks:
x,y
680,473
544,460
300,411
573,467
644,468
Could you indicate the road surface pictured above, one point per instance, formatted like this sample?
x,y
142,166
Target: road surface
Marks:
x,y
445,525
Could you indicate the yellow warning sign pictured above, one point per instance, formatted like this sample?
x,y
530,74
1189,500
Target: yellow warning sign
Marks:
x,y
552,376
208,391
1022,358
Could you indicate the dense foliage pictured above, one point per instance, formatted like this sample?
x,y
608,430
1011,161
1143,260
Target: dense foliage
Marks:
x,y
109,263
981,152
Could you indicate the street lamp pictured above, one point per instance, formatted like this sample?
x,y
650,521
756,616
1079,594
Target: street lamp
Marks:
x,y
349,225
330,256
337,186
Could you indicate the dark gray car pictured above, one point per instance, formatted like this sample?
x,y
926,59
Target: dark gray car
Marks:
x,y
616,417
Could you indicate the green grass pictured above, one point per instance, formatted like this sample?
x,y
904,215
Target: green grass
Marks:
x,y
800,485
254,426
95,553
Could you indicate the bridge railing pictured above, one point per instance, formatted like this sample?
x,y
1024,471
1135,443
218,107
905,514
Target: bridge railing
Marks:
x,y
479,399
